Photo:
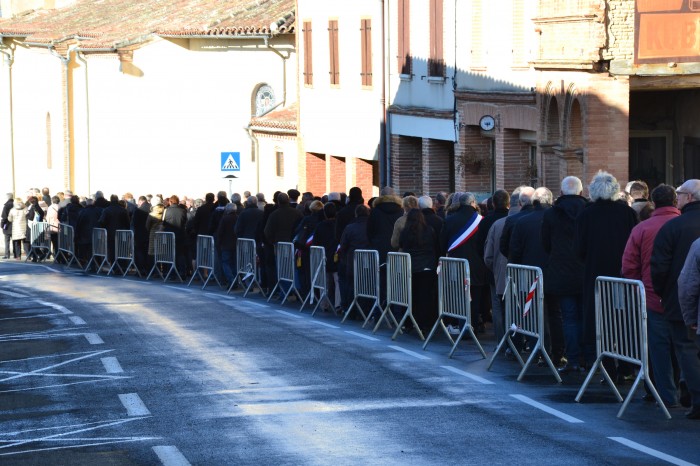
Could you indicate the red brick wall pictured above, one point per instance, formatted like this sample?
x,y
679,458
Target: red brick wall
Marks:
x,y
516,158
467,178
364,176
437,166
316,173
337,174
406,164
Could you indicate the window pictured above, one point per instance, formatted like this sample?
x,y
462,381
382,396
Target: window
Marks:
x,y
308,68
436,61
404,39
264,100
366,46
279,163
333,48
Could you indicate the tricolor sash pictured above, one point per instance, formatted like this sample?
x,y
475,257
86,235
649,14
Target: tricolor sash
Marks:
x,y
310,240
467,232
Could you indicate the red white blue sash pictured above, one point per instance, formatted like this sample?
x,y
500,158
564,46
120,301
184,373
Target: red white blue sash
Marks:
x,y
467,232
310,240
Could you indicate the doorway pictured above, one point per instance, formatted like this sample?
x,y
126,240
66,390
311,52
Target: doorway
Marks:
x,y
649,156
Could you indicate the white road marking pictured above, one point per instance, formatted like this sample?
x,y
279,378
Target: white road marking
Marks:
x,y
53,366
58,307
44,266
13,294
318,322
94,339
289,314
409,352
214,295
35,316
178,288
112,366
547,409
651,451
366,337
77,320
476,378
169,455
256,304
133,404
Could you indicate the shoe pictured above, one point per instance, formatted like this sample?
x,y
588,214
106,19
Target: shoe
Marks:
x,y
685,396
570,368
509,354
648,397
693,413
453,330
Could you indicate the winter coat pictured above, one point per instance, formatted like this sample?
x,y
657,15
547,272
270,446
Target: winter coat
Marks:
x,y
18,218
87,221
200,223
324,236
451,229
636,261
511,220
6,225
354,237
52,217
69,214
248,222
602,230
493,259
385,212
558,233
138,224
174,220
526,246
345,217
306,228
154,224
689,286
280,225
225,234
113,218
422,251
671,247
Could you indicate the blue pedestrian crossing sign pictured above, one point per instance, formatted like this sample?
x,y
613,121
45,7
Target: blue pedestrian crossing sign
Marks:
x,y
230,161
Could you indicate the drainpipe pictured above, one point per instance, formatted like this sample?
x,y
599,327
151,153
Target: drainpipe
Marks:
x,y
384,162
266,39
10,59
79,55
256,152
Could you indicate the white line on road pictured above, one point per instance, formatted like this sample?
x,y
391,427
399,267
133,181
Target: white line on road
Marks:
x,y
289,314
366,337
133,404
256,304
547,409
651,451
13,294
77,320
112,366
179,288
216,296
169,455
58,307
317,322
409,352
94,339
476,378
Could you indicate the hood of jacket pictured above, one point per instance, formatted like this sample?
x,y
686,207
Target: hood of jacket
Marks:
x,y
157,211
19,205
388,203
570,205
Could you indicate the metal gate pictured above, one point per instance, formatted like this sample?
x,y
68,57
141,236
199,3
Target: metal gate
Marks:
x,y
366,282
246,262
317,272
284,255
525,311
66,245
621,333
40,241
124,252
398,279
454,300
99,249
206,254
164,246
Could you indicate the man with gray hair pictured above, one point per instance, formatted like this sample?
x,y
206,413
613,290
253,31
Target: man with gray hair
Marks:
x,y
564,267
427,207
602,230
7,225
671,247
100,200
525,205
459,239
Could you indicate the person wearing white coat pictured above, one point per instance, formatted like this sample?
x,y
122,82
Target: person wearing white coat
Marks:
x,y
18,217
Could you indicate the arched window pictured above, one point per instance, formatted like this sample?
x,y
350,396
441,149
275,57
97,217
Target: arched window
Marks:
x,y
263,100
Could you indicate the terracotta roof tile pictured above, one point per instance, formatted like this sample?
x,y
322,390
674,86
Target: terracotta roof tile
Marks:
x,y
284,118
115,23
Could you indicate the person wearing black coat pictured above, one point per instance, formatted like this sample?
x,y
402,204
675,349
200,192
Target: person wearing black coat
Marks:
x,y
380,226
565,269
141,234
602,230
671,247
175,220
354,237
458,239
69,214
324,236
249,219
113,218
226,239
7,226
431,217
303,239
346,215
88,219
525,207
526,248
100,200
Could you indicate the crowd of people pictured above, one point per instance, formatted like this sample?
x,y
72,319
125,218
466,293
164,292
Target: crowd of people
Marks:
x,y
630,233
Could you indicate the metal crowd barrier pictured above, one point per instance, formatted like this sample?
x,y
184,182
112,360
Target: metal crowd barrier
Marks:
x,y
317,272
525,311
246,262
366,281
284,255
99,249
40,237
124,251
454,300
398,294
164,247
206,254
66,245
621,333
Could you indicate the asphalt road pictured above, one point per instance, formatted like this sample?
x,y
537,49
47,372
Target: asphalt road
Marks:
x,y
116,371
